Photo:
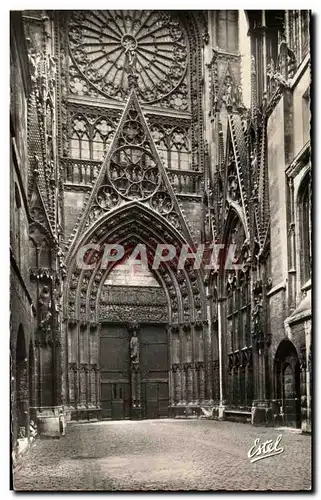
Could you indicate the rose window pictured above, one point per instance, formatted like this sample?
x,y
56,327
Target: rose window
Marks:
x,y
134,172
106,46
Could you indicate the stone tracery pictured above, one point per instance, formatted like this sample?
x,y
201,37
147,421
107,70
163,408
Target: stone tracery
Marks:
x,y
107,45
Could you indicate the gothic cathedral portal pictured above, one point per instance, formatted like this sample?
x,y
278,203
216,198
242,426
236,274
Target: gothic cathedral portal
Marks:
x,y
136,130
138,341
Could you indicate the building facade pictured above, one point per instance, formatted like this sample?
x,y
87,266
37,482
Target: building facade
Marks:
x,y
145,128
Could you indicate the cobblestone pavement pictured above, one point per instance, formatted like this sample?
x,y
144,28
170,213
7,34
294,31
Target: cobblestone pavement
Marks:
x,y
164,455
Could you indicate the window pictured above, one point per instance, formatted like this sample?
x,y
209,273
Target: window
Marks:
x,y
227,30
298,29
268,27
306,115
239,322
90,142
238,311
173,146
80,139
305,19
274,20
304,205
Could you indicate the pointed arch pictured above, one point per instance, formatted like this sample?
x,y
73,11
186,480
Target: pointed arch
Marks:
x,y
129,225
137,222
287,382
236,182
235,286
234,212
304,215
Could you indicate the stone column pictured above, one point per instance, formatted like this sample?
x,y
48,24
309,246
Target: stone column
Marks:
x,y
93,384
303,383
261,408
183,383
83,385
182,372
37,374
72,381
292,249
216,381
223,372
201,382
189,377
307,425
136,407
178,383
195,381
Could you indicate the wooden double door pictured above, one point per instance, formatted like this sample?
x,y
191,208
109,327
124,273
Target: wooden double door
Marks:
x,y
115,371
291,394
288,381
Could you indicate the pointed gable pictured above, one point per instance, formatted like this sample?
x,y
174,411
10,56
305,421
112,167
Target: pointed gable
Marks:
x,y
132,171
237,164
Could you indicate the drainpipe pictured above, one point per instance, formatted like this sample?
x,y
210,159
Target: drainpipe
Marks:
x,y
264,51
219,317
209,356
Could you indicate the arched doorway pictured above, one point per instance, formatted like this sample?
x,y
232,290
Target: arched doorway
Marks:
x,y
236,286
287,382
188,376
21,385
133,360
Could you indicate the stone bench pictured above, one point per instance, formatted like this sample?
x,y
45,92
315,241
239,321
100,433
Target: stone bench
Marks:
x,y
237,416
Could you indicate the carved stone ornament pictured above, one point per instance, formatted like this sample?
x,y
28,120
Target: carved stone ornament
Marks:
x,y
107,46
161,202
257,314
132,169
107,198
44,306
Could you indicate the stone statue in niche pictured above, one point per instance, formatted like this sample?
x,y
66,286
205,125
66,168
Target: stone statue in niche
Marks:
x,y
44,305
134,347
257,314
57,300
130,45
286,62
229,95
52,69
